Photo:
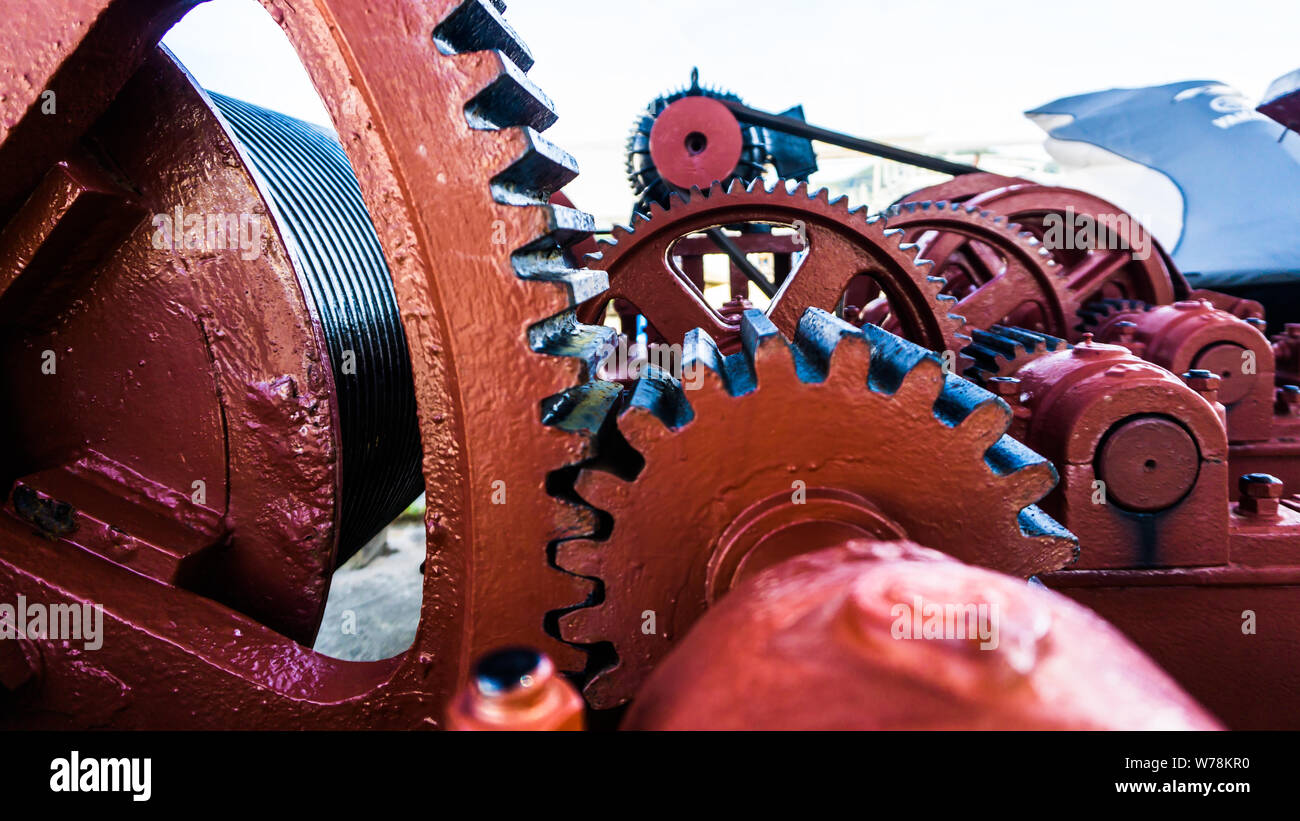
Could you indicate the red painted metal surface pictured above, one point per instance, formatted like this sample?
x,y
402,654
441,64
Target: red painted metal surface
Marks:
x,y
695,142
861,444
779,434
439,185
203,391
840,244
847,638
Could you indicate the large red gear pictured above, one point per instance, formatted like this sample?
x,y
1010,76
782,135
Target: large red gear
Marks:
x,y
440,125
997,272
842,243
849,420
1088,274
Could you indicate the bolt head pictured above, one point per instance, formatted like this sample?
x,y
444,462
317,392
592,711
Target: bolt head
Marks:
x,y
1260,486
1202,380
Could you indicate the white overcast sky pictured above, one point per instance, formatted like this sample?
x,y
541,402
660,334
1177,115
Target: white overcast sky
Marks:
x,y
945,71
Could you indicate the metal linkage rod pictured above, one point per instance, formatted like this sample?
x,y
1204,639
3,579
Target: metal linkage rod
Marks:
x,y
791,125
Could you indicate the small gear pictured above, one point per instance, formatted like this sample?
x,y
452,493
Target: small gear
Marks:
x,y
841,244
1094,314
862,434
742,157
1001,350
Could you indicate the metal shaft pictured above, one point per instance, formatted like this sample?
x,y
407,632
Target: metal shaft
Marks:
x,y
791,125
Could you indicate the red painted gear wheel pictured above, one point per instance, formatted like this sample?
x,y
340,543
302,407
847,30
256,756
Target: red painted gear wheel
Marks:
x,y
999,273
444,181
842,243
1088,275
962,188
863,434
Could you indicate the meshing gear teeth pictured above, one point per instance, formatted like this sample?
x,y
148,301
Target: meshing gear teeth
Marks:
x,y
441,127
1000,351
509,106
847,412
842,243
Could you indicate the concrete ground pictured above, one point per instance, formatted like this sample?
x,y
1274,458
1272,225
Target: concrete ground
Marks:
x,y
374,601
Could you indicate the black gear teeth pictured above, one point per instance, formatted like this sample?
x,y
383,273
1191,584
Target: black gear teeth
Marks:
x,y
580,284
1093,313
539,171
509,103
564,335
700,354
991,350
582,408
477,25
821,344
893,361
510,100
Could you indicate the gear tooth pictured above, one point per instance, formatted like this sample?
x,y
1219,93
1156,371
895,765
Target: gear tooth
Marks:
x,y
605,690
656,398
1058,547
510,99
477,25
538,170
601,490
577,284
981,416
582,408
574,521
764,347
703,365
581,626
833,349
581,556
563,335
894,359
556,225
800,189
1028,476
822,194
